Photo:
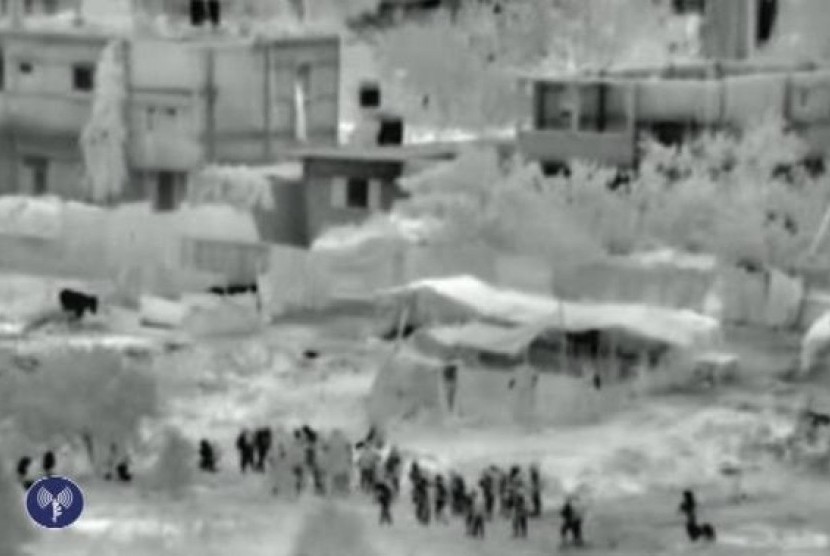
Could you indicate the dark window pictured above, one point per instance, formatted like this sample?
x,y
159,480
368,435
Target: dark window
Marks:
x,y
2,71
37,169
29,7
25,67
767,14
50,6
169,189
357,193
369,95
83,77
689,6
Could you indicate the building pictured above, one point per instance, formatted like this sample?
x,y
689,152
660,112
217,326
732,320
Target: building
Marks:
x,y
199,99
603,116
37,7
346,185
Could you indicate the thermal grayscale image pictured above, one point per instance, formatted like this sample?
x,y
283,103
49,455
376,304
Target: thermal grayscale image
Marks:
x,y
414,278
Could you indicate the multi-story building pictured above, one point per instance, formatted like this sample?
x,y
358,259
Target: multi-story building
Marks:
x,y
208,97
603,116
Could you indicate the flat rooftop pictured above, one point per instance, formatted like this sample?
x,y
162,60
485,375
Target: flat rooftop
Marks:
x,y
691,70
61,28
390,153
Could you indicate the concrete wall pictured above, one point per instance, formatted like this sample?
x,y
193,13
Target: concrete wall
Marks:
x,y
286,223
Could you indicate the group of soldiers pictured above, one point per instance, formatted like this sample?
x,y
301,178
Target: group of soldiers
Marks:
x,y
511,494
303,457
117,467
325,463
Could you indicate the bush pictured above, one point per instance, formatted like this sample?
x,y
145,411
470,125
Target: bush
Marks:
x,y
77,394
479,51
15,529
174,471
331,531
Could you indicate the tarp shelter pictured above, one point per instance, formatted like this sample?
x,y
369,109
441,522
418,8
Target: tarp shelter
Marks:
x,y
815,346
766,298
409,385
463,298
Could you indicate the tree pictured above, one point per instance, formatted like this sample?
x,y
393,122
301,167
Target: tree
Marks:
x,y
239,186
104,137
462,71
15,528
78,394
745,197
509,205
174,471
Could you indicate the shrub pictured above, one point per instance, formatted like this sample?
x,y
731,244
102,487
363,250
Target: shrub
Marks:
x,y
174,471
77,394
15,529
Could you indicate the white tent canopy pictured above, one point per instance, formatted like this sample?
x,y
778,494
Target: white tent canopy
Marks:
x,y
530,315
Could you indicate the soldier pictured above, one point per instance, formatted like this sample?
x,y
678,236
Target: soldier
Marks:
x,y
421,499
367,464
415,474
48,463
535,491
450,376
383,492
476,520
295,457
262,445
571,521
245,447
393,464
504,494
487,490
318,472
207,457
519,514
458,494
23,465
440,499
122,469
339,462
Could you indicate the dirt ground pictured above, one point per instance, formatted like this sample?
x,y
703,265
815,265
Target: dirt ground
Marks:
x,y
637,462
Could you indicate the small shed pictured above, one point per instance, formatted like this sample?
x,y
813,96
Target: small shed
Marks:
x,y
347,184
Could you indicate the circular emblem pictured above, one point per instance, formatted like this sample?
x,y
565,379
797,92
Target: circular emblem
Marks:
x,y
54,502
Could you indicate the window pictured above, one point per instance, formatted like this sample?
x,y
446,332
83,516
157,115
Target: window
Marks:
x,y
25,68
767,14
29,7
35,175
357,193
83,77
170,189
2,71
163,119
689,6
369,96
